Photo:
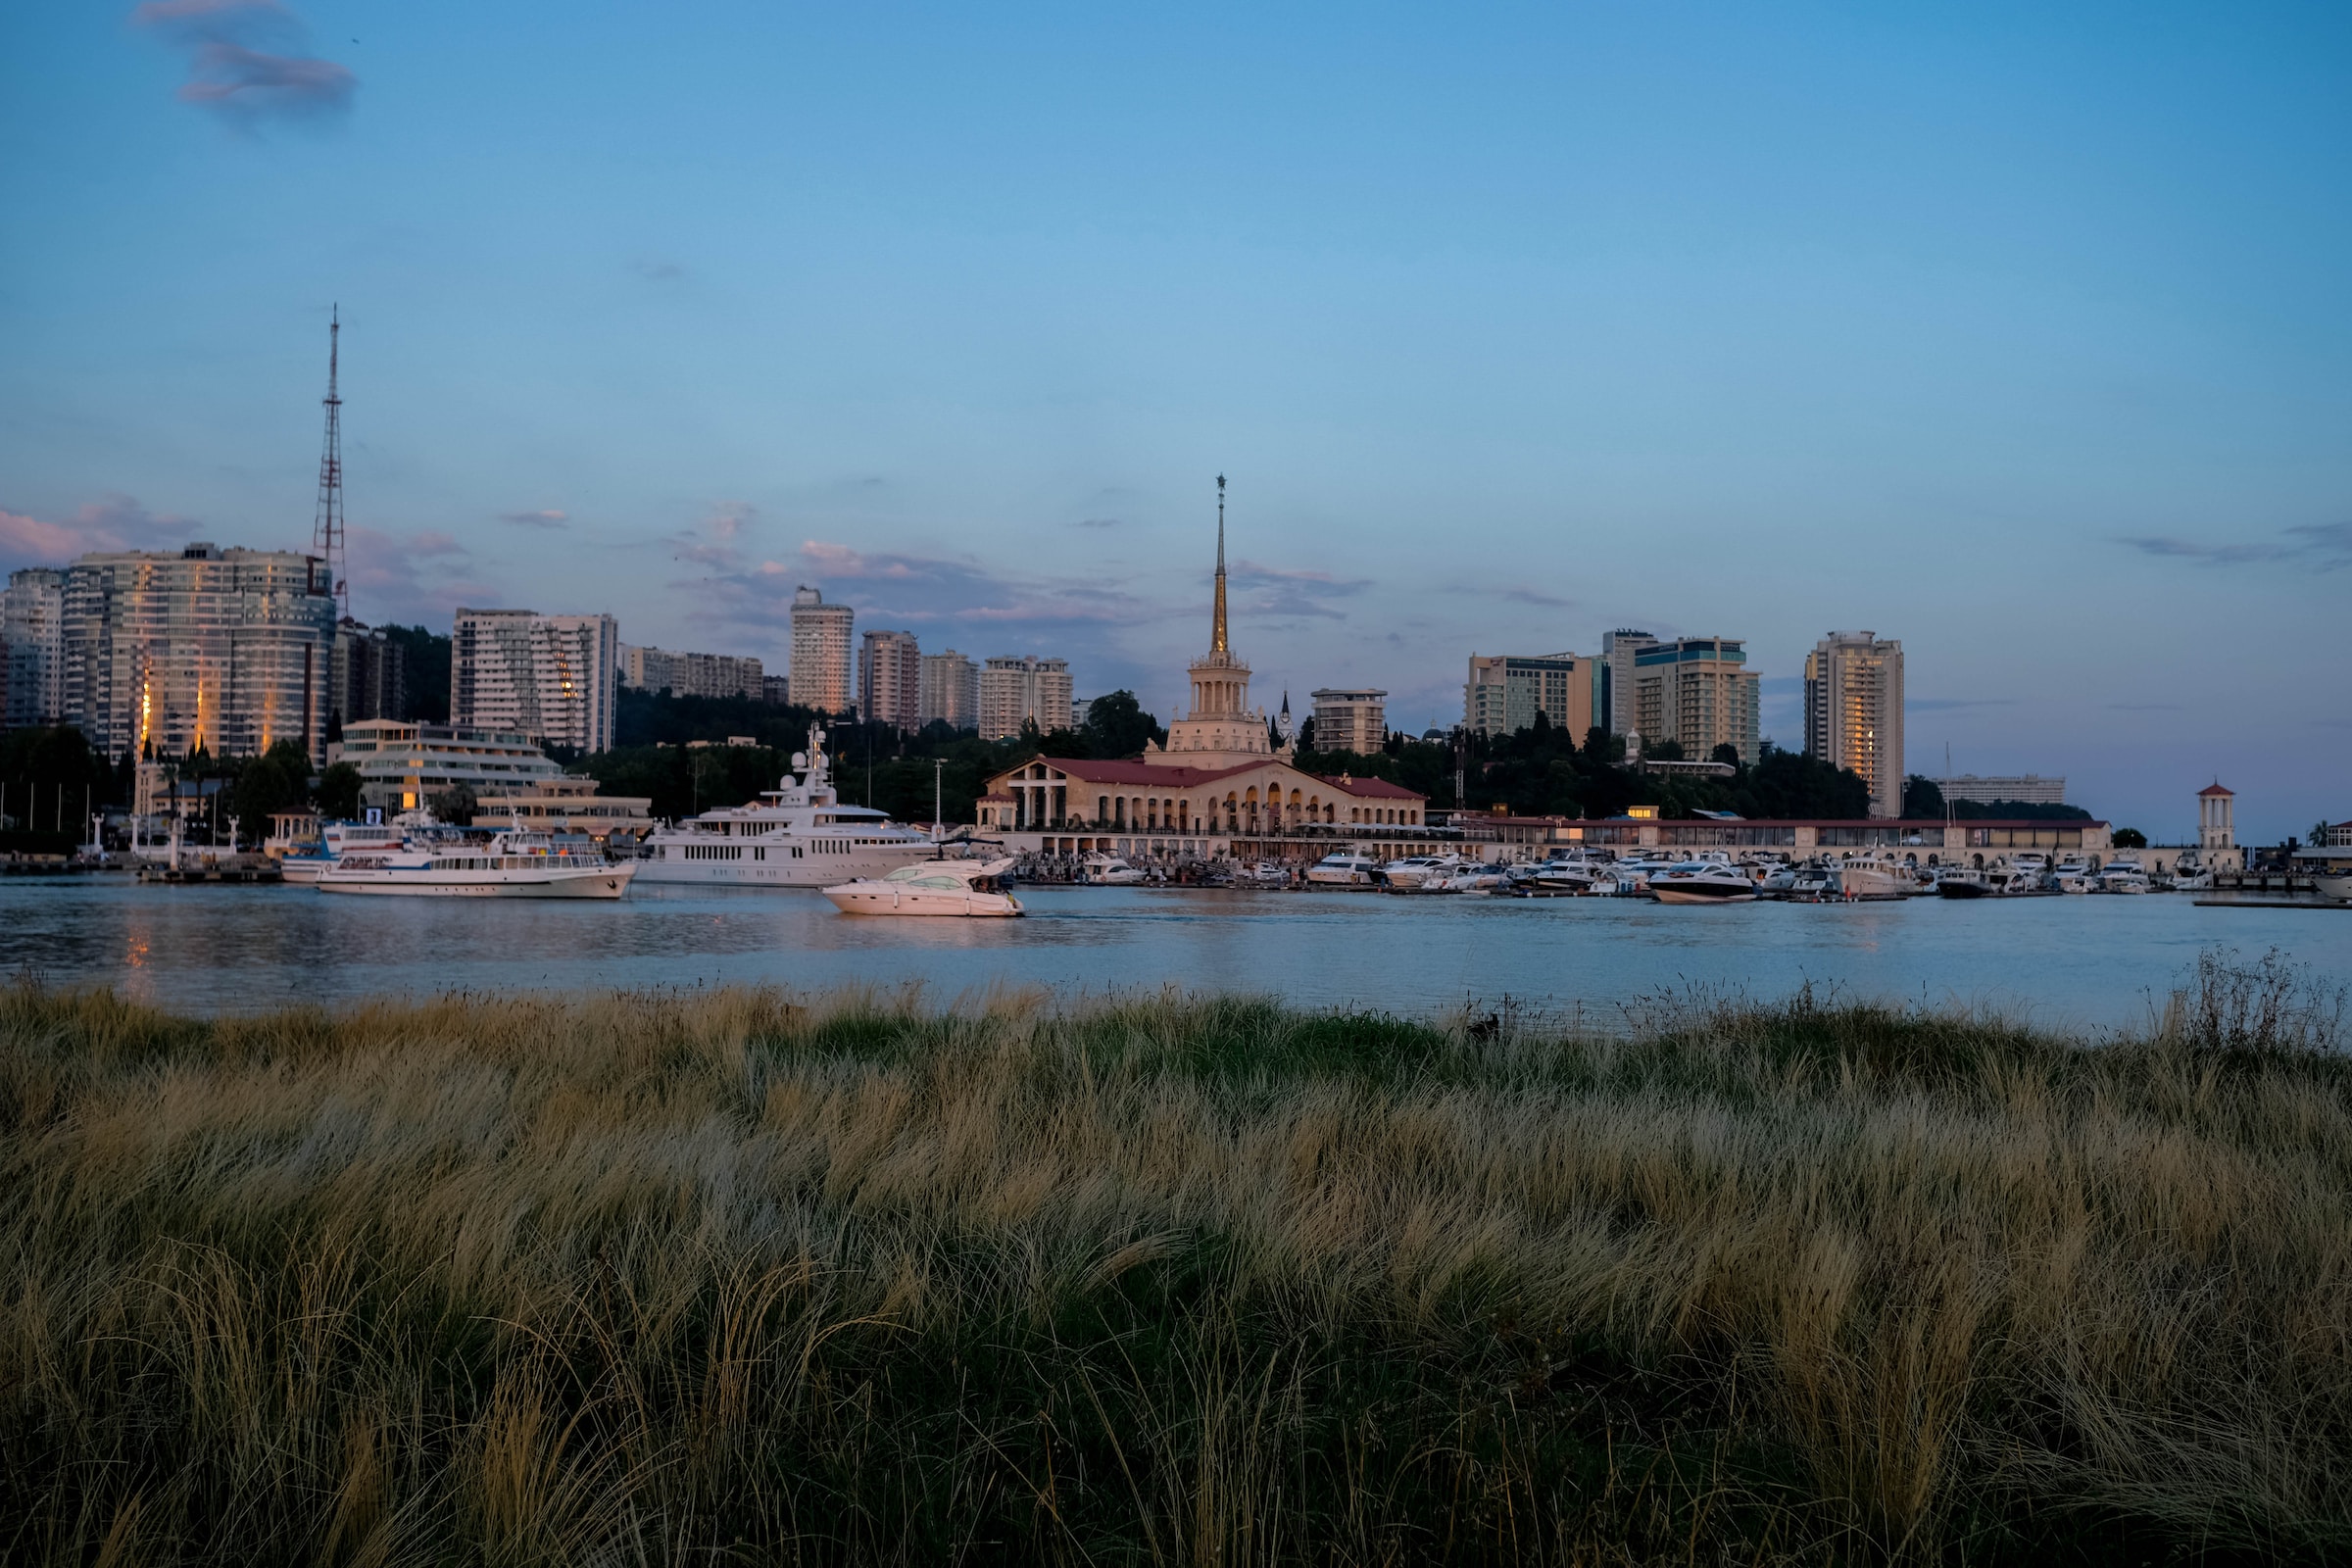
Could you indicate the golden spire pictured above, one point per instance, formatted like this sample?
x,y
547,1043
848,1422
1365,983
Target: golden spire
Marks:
x,y
1216,641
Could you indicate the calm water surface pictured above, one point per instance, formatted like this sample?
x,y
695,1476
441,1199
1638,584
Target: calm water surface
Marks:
x,y
2062,960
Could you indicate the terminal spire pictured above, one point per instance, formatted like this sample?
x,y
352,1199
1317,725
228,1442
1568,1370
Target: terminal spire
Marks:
x,y
1216,641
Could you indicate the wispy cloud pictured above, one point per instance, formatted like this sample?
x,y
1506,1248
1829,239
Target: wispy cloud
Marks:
x,y
712,542
544,517
1945,705
1275,592
1095,522
654,269
418,577
245,59
112,522
2323,546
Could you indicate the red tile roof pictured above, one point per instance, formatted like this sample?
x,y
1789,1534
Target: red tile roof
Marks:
x,y
2214,788
1377,789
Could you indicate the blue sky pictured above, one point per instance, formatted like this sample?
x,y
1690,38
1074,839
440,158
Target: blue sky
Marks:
x,y
2019,332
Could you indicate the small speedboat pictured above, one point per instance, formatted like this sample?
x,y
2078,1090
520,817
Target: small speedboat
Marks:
x,y
1407,874
1264,874
1109,871
1702,882
2123,876
966,889
2074,876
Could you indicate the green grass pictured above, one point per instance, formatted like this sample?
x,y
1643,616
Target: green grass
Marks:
x,y
747,1277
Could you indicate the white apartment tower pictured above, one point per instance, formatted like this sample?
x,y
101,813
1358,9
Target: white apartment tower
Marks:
x,y
890,679
550,677
1014,691
1505,692
32,631
1355,720
951,691
1854,712
823,665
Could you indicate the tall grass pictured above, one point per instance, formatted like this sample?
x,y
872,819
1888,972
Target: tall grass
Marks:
x,y
743,1277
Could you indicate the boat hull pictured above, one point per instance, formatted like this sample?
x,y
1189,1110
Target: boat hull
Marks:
x,y
596,882
1684,895
886,901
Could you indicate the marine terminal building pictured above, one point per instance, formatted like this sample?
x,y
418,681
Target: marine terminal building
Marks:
x,y
1217,788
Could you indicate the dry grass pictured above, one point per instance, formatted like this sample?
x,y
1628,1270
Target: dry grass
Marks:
x,y
743,1277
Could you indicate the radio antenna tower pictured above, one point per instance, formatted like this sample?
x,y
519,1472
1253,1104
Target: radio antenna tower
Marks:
x,y
326,535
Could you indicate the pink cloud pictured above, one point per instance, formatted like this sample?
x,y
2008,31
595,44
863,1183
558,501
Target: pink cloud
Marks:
x,y
240,63
117,522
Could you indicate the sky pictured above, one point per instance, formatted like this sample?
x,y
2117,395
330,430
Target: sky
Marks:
x,y
2018,332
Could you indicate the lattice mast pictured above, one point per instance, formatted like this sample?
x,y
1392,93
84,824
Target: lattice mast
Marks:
x,y
326,534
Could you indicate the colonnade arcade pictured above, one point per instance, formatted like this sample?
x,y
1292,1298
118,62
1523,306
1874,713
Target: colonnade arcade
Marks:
x,y
1046,795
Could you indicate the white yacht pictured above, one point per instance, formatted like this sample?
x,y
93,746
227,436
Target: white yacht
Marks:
x,y
514,865
1963,882
1407,874
963,889
1111,871
797,835
1714,880
1633,874
1344,870
1869,878
2125,875
2074,876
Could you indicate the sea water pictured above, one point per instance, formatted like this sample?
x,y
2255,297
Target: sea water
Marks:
x,y
2095,962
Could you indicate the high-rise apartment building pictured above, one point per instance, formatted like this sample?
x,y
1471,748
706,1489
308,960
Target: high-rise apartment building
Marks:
x,y
890,679
550,677
1618,651
659,669
32,631
1024,690
823,665
231,650
371,673
1854,712
775,690
1354,721
950,690
1505,692
1698,692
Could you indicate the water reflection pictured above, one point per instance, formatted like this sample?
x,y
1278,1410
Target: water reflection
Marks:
x,y
2083,961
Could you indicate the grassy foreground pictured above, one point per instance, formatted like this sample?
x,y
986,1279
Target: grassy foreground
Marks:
x,y
741,1277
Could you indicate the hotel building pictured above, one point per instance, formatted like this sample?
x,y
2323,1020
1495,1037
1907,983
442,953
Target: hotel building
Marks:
x,y
1014,691
1354,721
655,669
1700,693
1505,692
1854,712
951,691
32,639
403,767
821,661
371,673
550,677
890,679
2027,789
1618,651
231,650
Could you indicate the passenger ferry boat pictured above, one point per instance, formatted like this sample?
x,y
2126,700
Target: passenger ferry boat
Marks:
x,y
514,865
797,835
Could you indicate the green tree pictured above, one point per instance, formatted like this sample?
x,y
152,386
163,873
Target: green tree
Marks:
x,y
1116,726
1725,752
339,791
1666,751
277,780
2130,838
1923,798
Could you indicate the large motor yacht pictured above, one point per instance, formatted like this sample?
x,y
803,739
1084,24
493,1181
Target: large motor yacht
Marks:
x,y
797,835
1869,878
339,839
1407,874
514,865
